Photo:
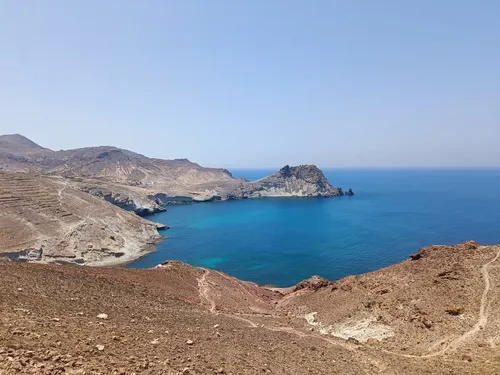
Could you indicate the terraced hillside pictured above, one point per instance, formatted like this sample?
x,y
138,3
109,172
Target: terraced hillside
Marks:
x,y
43,218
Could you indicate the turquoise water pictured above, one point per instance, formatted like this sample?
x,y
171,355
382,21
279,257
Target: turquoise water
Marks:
x,y
282,241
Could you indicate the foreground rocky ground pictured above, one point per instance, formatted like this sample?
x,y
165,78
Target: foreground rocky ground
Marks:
x,y
437,313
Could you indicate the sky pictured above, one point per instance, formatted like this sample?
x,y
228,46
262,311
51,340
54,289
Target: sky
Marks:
x,y
258,83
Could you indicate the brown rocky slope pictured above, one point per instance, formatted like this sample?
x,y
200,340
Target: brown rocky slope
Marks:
x,y
436,314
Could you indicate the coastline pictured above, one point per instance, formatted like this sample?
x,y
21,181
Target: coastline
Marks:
x,y
130,256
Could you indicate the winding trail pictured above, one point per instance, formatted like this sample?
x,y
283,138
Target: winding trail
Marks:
x,y
204,291
482,320
480,324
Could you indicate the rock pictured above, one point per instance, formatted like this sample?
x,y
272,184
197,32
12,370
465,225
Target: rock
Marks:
x,y
467,357
216,326
427,323
353,340
189,342
185,370
372,341
161,226
416,256
349,193
102,316
314,283
470,245
455,310
56,319
155,342
100,347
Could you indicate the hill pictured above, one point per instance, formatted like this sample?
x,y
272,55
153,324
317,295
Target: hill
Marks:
x,y
436,313
144,185
44,219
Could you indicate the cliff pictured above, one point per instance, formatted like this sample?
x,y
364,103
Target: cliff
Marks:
x,y
301,181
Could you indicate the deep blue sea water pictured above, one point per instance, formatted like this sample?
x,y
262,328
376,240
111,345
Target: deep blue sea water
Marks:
x,y
284,240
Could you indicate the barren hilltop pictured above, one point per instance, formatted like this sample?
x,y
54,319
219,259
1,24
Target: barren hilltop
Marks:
x,y
436,313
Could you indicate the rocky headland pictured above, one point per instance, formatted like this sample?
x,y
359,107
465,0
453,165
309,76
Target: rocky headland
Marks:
x,y
70,205
145,185
300,181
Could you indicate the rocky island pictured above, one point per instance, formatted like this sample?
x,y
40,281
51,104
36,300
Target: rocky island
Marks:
x,y
71,205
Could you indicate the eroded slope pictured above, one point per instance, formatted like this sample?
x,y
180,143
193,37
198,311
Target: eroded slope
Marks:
x,y
45,219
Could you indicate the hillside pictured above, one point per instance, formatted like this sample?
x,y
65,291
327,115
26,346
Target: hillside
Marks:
x,y
141,184
44,219
437,313
16,143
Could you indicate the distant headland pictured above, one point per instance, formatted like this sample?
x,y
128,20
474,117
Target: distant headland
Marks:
x,y
65,196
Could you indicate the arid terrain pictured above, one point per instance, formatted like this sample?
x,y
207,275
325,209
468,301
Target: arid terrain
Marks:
x,y
436,313
71,206
144,185
43,218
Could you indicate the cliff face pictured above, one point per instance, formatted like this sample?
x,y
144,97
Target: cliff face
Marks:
x,y
301,181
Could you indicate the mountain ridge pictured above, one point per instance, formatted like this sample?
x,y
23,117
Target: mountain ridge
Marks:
x,y
108,171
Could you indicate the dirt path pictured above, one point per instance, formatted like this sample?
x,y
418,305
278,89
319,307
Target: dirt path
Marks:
x,y
482,319
204,290
60,192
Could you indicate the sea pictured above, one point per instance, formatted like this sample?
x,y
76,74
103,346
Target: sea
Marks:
x,y
281,241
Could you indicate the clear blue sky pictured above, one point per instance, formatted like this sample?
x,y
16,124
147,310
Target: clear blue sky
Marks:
x,y
258,83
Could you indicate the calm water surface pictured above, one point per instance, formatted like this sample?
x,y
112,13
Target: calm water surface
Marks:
x,y
284,240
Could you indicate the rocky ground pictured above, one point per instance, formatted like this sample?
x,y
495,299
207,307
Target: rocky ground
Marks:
x,y
436,313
